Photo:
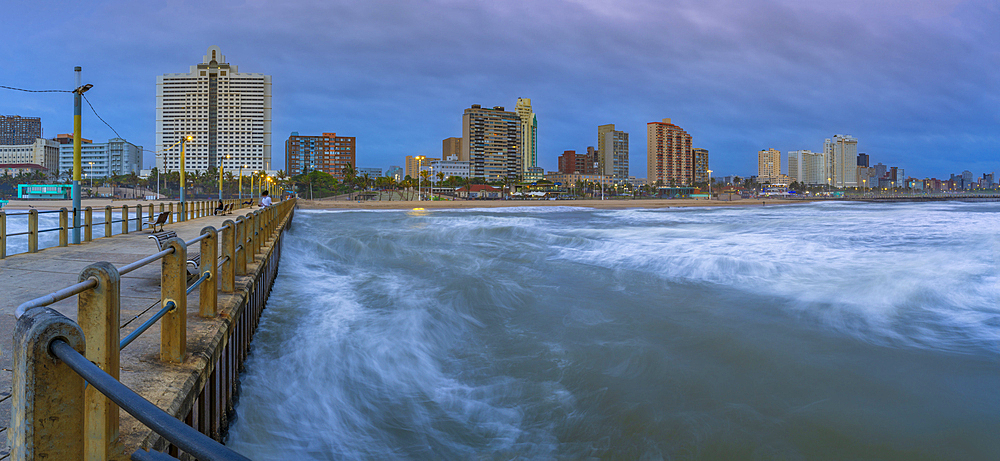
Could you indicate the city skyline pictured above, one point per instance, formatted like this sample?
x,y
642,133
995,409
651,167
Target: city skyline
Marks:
x,y
912,79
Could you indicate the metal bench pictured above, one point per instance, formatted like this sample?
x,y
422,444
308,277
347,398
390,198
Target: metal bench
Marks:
x,y
193,260
160,221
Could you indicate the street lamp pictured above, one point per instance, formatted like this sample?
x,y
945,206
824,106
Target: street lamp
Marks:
x,y
77,149
419,160
184,141
710,184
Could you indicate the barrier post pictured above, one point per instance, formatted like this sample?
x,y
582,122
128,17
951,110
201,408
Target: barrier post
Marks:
x,y
47,398
208,292
124,219
173,287
229,252
107,221
248,235
170,220
241,245
88,223
33,231
63,227
3,235
98,316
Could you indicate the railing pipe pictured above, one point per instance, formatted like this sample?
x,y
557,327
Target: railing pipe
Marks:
x,y
145,326
63,227
55,297
142,262
98,313
33,231
184,437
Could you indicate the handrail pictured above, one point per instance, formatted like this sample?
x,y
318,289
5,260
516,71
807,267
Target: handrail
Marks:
x,y
55,297
142,262
194,285
145,325
184,437
196,239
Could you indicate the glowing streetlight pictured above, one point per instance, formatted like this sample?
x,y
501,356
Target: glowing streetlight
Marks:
x,y
419,160
183,215
710,184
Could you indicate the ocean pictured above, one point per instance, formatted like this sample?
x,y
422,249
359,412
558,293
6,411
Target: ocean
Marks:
x,y
814,331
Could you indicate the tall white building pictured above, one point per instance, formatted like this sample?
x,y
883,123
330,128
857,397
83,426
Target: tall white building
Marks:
x,y
612,146
228,113
99,160
807,167
43,152
450,166
529,139
842,155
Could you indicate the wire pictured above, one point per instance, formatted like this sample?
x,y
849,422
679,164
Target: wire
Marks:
x,y
99,117
36,91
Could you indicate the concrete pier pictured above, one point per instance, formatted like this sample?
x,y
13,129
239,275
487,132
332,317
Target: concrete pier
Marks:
x,y
172,387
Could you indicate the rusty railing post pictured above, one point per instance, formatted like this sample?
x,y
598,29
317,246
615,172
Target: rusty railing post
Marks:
x,y
3,235
124,219
170,220
47,397
241,245
229,252
63,227
208,292
173,287
32,231
88,223
107,221
98,315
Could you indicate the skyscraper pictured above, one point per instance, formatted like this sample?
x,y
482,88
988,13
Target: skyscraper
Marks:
x,y
700,164
491,143
450,147
807,167
328,153
227,112
669,155
768,166
17,130
612,149
842,153
529,138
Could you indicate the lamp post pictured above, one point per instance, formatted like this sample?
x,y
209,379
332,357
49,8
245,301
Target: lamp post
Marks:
x,y
91,175
419,160
220,178
184,141
710,184
77,163
241,181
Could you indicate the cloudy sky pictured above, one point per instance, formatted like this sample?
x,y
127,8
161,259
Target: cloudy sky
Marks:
x,y
916,81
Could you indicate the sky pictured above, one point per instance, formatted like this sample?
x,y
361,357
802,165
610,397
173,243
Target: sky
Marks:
x,y
916,81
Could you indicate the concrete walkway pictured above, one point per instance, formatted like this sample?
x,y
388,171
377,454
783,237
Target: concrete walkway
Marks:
x,y
24,277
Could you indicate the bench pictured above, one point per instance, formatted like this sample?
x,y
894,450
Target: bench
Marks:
x,y
226,209
192,259
159,221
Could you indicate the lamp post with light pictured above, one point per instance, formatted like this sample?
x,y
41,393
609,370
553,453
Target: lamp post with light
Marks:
x,y
183,215
710,184
419,160
77,148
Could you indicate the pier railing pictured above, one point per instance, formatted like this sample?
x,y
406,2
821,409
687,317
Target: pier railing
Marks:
x,y
178,212
66,389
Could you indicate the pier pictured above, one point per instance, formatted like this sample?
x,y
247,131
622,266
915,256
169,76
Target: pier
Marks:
x,y
99,295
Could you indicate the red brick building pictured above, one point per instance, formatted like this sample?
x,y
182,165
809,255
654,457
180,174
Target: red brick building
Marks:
x,y
328,153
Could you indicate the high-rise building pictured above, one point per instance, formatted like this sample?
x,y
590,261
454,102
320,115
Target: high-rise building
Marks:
x,y
571,162
99,160
19,131
41,152
669,155
700,165
768,166
807,167
450,147
612,148
491,142
412,163
328,153
842,153
529,139
863,159
448,167
228,113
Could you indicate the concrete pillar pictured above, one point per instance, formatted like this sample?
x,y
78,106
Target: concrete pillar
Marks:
x,y
32,231
63,227
98,315
88,223
208,293
44,386
171,210
228,272
124,219
241,245
173,287
107,221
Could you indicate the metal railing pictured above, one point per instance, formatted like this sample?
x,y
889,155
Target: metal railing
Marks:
x,y
128,223
58,417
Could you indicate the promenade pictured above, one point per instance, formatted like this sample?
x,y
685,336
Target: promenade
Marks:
x,y
25,276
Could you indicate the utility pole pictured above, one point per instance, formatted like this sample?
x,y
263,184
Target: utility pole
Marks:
x,y
77,161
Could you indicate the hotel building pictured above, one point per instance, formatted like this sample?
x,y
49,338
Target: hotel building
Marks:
x,y
842,153
612,148
491,143
41,152
100,160
19,131
529,140
669,155
328,153
700,164
768,166
227,112
807,167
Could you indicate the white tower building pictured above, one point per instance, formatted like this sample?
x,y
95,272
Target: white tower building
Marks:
x,y
842,153
227,112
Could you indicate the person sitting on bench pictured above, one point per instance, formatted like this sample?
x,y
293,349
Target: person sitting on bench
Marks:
x,y
220,209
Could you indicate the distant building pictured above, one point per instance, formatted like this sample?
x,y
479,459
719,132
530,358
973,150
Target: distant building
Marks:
x,y
68,139
807,167
228,113
478,191
700,165
842,153
14,169
529,139
612,148
40,152
491,142
19,131
768,166
451,146
451,166
863,159
571,162
669,156
329,153
987,182
412,162
100,160
371,172
394,172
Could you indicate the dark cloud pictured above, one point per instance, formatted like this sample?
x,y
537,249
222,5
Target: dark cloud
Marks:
x,y
915,81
